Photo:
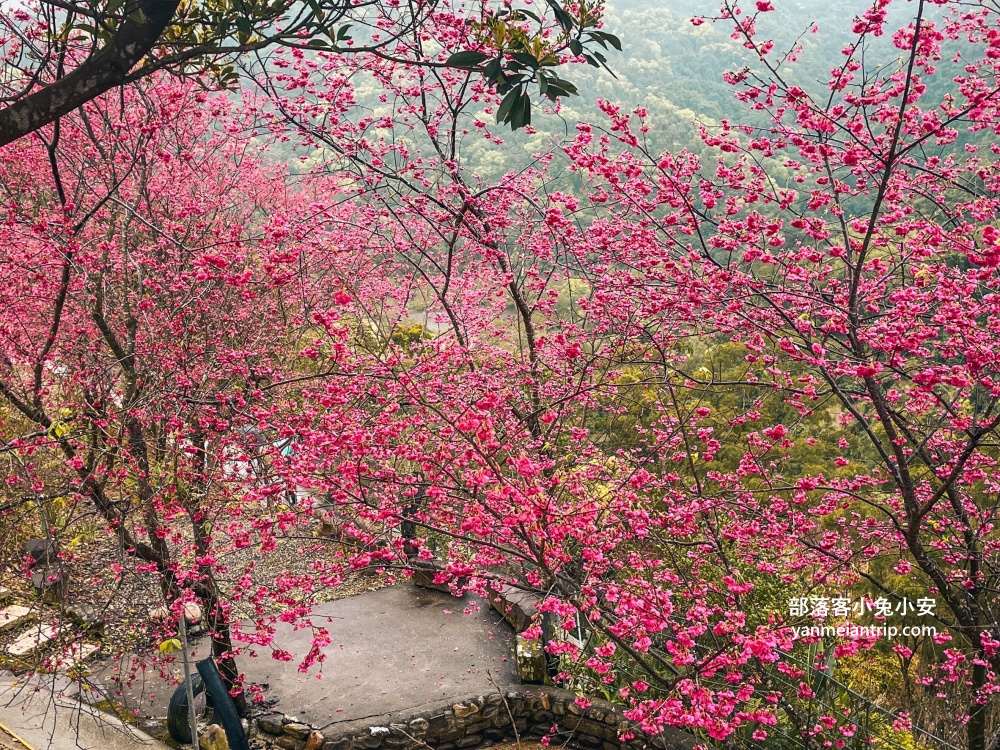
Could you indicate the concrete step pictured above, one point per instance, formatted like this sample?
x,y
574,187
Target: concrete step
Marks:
x,y
5,594
73,655
31,640
515,606
13,614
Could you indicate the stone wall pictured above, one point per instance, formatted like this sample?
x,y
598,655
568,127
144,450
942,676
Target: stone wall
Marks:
x,y
530,713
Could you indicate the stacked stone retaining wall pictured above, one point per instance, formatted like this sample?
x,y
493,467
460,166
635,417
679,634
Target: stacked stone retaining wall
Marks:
x,y
528,713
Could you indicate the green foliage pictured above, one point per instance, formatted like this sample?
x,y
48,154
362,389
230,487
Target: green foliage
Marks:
x,y
519,60
408,336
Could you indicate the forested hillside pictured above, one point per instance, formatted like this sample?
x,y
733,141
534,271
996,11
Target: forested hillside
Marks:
x,y
674,69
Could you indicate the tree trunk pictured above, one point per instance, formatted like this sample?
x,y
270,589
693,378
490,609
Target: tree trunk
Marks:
x,y
976,728
222,651
99,73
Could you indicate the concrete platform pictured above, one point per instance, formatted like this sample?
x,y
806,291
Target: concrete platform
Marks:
x,y
31,640
393,652
44,719
73,655
398,650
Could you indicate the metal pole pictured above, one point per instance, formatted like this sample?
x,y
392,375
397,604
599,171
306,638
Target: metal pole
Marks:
x,y
192,714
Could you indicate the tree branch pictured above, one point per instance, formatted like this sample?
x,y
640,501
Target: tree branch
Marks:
x,y
99,73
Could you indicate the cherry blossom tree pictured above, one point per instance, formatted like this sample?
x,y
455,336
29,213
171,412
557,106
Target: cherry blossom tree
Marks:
x,y
841,244
152,276
485,346
847,244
